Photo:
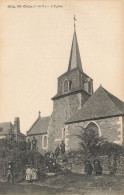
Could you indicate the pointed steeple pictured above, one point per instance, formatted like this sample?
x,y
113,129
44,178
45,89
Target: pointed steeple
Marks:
x,y
75,59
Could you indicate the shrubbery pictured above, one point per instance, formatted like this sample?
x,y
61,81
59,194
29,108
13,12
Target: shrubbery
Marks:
x,y
9,151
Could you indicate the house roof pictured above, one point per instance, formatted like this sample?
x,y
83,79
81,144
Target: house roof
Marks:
x,y
101,104
40,126
5,128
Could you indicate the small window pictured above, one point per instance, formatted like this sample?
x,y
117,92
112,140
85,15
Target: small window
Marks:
x,y
65,86
70,85
45,141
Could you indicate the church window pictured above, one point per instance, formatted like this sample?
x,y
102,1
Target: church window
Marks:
x,y
66,86
89,86
70,85
45,141
94,127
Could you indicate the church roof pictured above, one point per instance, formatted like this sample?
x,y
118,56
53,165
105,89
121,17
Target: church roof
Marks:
x,y
40,126
5,128
75,59
101,104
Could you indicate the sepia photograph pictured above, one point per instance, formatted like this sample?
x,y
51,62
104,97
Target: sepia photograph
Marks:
x,y
62,97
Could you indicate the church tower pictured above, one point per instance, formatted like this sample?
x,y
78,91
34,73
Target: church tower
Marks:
x,y
74,89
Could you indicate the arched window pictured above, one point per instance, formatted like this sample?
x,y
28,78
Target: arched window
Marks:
x,y
70,85
94,127
45,141
65,86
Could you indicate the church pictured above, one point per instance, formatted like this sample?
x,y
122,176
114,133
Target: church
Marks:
x,y
76,104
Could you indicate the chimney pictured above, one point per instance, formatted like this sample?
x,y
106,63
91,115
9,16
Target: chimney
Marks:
x,y
17,124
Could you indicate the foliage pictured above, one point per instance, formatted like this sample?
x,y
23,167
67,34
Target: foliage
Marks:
x,y
91,144
11,151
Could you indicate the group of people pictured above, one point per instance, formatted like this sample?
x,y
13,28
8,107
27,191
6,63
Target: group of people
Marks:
x,y
29,145
60,149
31,174
97,168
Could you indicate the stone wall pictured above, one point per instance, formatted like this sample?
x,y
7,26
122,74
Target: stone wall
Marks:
x,y
76,165
63,109
109,128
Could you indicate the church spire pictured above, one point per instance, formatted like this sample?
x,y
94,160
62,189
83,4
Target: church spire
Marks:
x,y
75,59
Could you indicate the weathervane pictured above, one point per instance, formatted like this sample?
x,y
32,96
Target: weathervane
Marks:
x,y
74,22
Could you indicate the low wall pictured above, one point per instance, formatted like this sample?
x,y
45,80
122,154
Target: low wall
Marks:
x,y
76,165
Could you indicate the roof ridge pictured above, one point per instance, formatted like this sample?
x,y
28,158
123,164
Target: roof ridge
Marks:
x,y
117,99
33,124
37,121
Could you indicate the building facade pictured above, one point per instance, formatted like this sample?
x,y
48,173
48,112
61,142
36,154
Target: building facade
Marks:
x,y
75,105
9,130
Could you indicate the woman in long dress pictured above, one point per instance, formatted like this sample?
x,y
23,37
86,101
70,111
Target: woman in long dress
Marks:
x,y
34,174
28,174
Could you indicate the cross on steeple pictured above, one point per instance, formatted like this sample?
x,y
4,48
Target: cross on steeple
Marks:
x,y
39,113
74,22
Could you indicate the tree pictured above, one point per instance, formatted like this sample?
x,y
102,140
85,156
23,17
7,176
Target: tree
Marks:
x,y
91,144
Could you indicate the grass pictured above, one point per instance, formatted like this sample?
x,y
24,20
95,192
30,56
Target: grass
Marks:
x,y
66,184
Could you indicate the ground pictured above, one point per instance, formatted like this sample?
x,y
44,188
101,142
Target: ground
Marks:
x,y
68,184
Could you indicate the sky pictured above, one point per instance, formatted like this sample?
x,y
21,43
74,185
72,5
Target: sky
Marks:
x,y
35,46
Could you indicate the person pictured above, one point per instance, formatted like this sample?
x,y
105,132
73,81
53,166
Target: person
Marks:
x,y
88,167
50,163
113,166
28,174
28,145
62,146
34,144
10,173
57,151
34,175
97,167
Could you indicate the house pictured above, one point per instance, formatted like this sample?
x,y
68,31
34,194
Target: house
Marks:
x,y
39,130
8,130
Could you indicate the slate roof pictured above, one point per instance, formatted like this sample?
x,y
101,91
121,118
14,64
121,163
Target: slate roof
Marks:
x,y
75,59
101,104
72,91
5,127
40,126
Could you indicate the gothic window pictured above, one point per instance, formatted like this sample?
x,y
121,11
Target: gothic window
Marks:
x,y
89,86
45,141
70,85
66,86
94,127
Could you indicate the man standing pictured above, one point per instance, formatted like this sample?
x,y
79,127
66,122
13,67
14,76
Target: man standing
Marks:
x,y
62,146
10,173
97,167
34,144
57,151
28,145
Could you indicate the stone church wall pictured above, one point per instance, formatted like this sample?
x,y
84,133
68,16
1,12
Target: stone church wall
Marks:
x,y
63,109
110,128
